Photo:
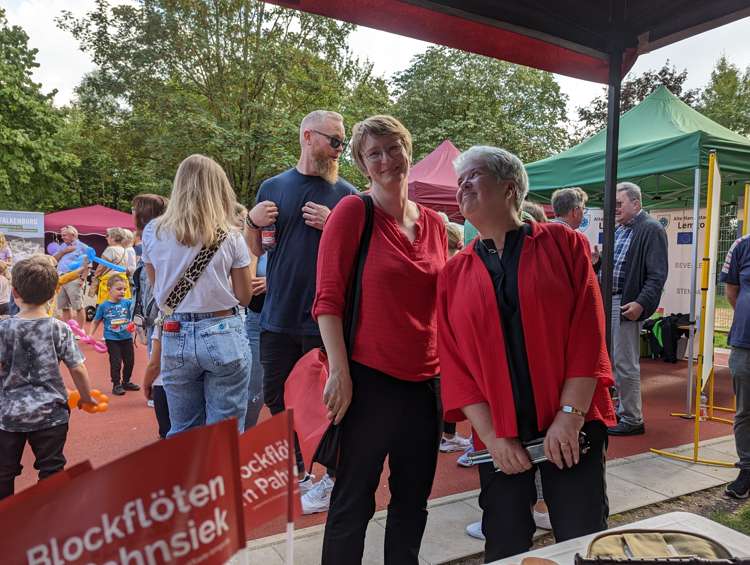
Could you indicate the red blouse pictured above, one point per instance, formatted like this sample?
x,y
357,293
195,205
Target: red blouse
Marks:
x,y
397,327
563,321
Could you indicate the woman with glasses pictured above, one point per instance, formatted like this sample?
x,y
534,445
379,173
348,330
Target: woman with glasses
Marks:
x,y
523,357
386,398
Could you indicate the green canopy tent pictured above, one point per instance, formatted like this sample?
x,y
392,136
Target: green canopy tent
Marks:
x,y
662,142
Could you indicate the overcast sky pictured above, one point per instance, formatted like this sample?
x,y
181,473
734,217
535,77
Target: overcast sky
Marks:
x,y
62,64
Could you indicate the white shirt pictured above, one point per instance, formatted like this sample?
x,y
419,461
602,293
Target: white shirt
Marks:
x,y
213,290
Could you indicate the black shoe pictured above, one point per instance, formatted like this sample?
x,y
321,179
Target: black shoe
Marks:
x,y
130,386
624,429
117,390
740,487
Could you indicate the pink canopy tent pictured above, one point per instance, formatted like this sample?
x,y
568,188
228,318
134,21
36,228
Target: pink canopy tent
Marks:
x,y
90,220
433,182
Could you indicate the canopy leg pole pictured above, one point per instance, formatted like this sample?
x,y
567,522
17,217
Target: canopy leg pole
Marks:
x,y
693,275
610,182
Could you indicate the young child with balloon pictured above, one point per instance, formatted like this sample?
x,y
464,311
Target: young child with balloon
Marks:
x,y
34,406
115,313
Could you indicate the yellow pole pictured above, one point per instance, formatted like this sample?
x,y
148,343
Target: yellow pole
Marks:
x,y
705,272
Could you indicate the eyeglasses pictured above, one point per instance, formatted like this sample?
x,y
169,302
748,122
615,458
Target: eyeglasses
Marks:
x,y
393,151
334,142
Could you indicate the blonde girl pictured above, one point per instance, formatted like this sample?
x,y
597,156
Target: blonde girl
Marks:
x,y
205,356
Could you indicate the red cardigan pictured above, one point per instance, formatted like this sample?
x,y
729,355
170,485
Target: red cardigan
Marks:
x,y
563,322
397,329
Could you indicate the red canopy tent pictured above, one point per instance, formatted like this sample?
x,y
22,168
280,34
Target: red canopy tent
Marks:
x,y
433,182
90,220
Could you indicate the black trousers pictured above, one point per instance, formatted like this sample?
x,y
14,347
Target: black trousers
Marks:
x,y
278,355
161,409
47,446
390,418
121,360
576,497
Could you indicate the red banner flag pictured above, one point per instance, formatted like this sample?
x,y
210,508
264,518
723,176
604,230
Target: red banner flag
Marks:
x,y
45,486
265,469
303,393
175,501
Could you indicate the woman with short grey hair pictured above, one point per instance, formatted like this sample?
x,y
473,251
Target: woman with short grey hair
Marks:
x,y
523,357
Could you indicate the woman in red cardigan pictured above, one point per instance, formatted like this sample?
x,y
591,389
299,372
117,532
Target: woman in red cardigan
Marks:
x,y
523,356
386,398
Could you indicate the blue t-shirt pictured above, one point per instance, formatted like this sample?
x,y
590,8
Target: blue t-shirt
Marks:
x,y
63,265
736,271
116,318
292,263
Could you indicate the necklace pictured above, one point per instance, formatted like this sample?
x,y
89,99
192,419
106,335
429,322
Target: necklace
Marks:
x,y
491,250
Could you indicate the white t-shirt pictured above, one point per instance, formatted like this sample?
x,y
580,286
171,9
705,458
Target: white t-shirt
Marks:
x,y
131,261
213,290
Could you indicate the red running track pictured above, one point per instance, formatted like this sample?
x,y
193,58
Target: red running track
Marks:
x,y
130,424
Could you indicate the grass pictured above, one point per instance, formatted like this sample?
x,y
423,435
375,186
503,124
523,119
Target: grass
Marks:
x,y
720,339
738,520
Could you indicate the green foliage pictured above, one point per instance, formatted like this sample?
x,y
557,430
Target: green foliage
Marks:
x,y
34,170
475,100
726,98
594,116
738,520
231,79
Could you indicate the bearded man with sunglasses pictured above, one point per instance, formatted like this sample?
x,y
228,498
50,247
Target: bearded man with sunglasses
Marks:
x,y
298,202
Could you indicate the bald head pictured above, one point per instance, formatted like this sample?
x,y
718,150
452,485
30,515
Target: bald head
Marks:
x,y
318,120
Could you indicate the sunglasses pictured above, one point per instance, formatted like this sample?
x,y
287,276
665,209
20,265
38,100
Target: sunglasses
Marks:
x,y
334,142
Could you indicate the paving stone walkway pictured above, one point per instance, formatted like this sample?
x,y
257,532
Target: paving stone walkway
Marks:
x,y
632,482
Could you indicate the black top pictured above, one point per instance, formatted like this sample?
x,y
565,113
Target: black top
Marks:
x,y
503,269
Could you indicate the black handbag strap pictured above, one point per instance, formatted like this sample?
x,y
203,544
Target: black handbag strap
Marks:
x,y
354,293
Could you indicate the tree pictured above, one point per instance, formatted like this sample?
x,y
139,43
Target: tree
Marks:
x,y
726,99
231,79
470,99
34,170
594,116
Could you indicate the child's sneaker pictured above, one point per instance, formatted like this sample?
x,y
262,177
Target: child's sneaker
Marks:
x,y
318,498
117,390
455,443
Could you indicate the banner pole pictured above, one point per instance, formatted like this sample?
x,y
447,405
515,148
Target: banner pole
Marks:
x,y
291,467
693,279
705,273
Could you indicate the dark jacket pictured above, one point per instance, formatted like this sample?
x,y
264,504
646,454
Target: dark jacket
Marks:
x,y
646,265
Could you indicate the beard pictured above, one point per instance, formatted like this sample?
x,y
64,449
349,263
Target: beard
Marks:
x,y
327,168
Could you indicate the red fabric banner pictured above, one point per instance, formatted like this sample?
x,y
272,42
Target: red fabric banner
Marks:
x,y
266,460
303,393
48,485
175,501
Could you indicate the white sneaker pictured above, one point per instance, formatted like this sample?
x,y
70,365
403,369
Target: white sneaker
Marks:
x,y
463,460
150,403
318,498
475,530
456,443
306,484
541,519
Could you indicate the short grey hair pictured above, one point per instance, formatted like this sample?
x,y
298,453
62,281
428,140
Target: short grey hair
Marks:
x,y
315,119
117,235
565,200
631,189
501,163
70,229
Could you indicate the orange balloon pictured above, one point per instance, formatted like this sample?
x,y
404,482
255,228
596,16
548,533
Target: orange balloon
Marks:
x,y
73,397
103,398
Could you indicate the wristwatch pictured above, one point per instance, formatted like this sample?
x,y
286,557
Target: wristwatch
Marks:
x,y
568,409
250,223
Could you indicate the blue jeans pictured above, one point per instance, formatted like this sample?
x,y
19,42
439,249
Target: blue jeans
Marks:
x,y
255,390
205,367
